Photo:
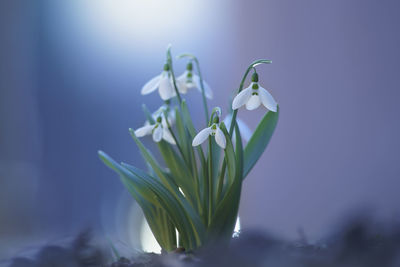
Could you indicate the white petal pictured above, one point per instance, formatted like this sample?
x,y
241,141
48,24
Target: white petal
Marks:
x,y
201,136
182,77
253,102
157,134
245,131
167,136
207,90
182,86
165,89
267,100
241,98
151,85
145,130
227,120
171,117
220,138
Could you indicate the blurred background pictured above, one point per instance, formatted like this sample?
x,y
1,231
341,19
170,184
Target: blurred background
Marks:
x,y
70,77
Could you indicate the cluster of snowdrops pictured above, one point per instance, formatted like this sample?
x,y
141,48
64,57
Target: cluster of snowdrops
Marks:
x,y
195,191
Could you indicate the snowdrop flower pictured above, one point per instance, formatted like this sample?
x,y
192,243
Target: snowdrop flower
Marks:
x,y
161,112
159,131
213,130
245,131
253,96
187,80
164,84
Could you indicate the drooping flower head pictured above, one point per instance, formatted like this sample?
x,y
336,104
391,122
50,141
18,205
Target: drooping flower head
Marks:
x,y
164,84
159,130
212,130
253,96
161,111
245,131
188,80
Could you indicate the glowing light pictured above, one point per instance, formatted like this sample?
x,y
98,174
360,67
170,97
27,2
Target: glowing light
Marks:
x,y
149,243
142,22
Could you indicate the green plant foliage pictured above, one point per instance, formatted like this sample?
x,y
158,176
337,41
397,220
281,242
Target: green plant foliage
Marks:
x,y
196,189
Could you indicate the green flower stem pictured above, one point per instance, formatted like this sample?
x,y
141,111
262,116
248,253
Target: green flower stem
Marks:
x,y
205,196
175,139
171,70
252,65
221,182
210,181
202,89
233,122
196,181
194,58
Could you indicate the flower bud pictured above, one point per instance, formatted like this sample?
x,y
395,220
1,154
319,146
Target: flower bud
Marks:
x,y
216,119
254,77
166,67
189,66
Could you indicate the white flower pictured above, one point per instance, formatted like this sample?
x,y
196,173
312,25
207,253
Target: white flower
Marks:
x,y
187,80
164,84
213,130
159,131
253,96
161,112
245,131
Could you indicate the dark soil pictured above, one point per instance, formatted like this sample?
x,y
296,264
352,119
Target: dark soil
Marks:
x,y
357,244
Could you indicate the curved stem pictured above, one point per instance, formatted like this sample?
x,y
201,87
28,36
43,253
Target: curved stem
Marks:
x,y
233,122
171,70
174,137
192,57
202,89
252,65
210,181
216,110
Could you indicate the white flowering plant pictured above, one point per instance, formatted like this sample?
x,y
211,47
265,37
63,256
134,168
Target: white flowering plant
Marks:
x,y
196,191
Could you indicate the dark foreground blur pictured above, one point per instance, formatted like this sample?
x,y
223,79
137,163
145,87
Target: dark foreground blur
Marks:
x,y
359,242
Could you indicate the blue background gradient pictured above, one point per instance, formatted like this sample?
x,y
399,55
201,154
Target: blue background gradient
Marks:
x,y
70,80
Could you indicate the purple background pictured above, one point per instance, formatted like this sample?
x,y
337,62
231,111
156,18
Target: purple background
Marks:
x,y
70,82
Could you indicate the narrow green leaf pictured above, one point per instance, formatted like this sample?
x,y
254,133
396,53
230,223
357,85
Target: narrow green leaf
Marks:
x,y
224,220
169,183
182,134
259,140
147,200
229,155
136,191
180,173
181,213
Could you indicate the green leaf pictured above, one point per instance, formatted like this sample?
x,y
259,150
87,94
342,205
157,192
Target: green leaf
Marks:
x,y
180,173
181,213
166,180
229,155
259,140
144,191
151,209
224,219
192,131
